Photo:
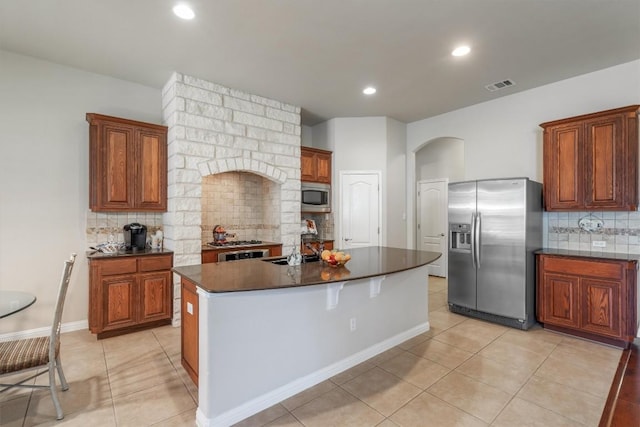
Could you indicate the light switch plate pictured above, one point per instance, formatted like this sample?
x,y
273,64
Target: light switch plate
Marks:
x,y
189,308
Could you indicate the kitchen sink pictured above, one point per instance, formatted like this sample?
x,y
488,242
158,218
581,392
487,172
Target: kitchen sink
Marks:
x,y
283,260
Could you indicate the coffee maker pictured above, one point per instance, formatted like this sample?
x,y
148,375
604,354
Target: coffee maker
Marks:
x,y
135,236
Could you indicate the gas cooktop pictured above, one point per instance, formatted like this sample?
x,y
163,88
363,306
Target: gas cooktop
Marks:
x,y
228,243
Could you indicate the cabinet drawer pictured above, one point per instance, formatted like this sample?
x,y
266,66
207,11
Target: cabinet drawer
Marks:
x,y
117,266
155,263
605,270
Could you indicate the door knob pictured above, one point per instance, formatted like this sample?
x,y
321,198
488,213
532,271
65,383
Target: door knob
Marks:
x,y
346,240
441,234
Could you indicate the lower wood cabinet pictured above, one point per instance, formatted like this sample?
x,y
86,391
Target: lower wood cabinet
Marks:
x,y
189,329
129,293
591,298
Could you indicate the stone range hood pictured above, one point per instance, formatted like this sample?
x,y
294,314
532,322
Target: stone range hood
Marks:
x,y
217,130
244,196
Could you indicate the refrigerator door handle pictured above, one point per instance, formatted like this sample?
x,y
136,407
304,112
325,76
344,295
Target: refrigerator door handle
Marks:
x,y
476,238
473,239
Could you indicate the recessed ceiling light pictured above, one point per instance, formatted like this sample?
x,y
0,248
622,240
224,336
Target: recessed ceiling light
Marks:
x,y
461,51
369,90
183,11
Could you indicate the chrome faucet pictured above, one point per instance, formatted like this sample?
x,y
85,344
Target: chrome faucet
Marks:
x,y
315,251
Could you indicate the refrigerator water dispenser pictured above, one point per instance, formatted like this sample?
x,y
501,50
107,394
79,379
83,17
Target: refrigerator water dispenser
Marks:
x,y
460,236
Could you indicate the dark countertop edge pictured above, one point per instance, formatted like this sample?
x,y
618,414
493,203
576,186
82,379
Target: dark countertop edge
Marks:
x,y
187,271
618,256
121,254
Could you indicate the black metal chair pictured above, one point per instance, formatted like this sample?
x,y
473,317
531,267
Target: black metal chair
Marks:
x,y
42,352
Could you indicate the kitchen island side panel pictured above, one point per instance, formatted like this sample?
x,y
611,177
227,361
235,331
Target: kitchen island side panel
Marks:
x,y
260,347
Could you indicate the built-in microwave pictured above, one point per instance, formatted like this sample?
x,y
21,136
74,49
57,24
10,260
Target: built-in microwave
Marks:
x,y
316,197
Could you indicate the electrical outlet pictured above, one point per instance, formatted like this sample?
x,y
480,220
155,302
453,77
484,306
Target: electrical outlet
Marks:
x,y
599,244
352,324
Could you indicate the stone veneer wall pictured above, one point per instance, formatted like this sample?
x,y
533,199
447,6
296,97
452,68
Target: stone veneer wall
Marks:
x,y
620,231
214,129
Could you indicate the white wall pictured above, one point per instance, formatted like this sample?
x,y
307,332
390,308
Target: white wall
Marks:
x,y
306,136
503,138
368,144
396,195
441,158
44,152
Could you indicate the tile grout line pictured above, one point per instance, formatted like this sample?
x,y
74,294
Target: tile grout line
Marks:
x,y
106,367
522,386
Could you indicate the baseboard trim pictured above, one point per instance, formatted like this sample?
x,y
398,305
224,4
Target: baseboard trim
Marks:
x,y
269,399
45,331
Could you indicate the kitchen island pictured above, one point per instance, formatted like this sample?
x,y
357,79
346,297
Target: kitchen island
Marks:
x,y
265,332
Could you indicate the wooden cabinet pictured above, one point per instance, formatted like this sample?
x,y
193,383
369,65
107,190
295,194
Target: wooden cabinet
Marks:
x,y
189,328
129,293
315,165
591,161
592,298
328,245
211,255
127,165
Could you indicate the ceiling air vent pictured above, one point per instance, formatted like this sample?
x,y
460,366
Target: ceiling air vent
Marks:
x,y
500,85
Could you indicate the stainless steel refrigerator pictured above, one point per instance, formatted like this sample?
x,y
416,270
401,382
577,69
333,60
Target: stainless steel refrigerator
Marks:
x,y
494,228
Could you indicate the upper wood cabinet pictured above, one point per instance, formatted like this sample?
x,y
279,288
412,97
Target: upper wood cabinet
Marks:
x,y
315,165
127,165
591,161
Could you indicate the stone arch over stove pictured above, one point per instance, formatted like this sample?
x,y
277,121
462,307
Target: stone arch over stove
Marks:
x,y
244,196
239,164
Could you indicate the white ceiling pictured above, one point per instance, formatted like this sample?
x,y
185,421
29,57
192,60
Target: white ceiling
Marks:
x,y
319,54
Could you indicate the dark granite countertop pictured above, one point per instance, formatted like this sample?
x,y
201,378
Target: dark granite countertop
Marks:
x,y
618,256
98,255
258,274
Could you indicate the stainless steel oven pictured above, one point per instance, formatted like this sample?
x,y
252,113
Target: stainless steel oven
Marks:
x,y
243,254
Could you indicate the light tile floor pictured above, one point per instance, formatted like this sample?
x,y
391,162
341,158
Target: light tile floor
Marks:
x,y
463,372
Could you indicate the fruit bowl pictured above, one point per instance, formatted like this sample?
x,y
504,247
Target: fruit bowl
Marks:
x,y
335,264
334,258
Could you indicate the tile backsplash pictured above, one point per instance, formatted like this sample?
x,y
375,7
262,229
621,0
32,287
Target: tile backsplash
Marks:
x,y
102,226
620,231
324,224
245,204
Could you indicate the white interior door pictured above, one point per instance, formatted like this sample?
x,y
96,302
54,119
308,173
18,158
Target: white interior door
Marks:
x,y
432,222
360,206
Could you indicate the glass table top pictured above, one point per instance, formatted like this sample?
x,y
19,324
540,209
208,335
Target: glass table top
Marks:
x,y
13,301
